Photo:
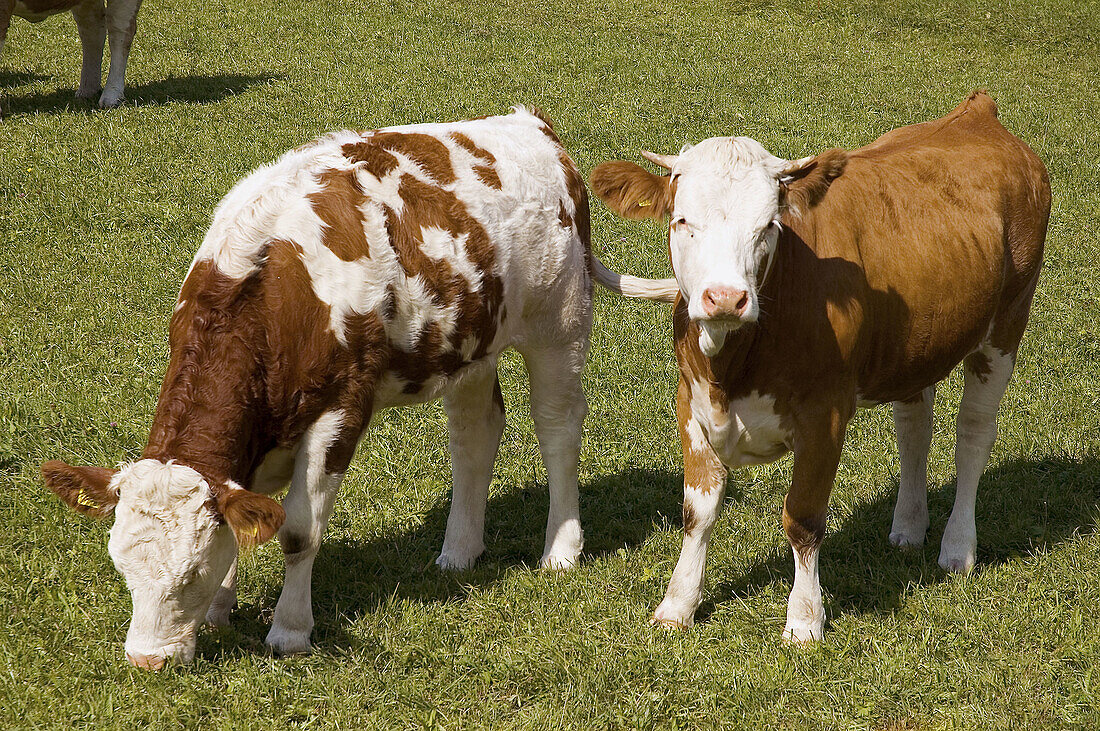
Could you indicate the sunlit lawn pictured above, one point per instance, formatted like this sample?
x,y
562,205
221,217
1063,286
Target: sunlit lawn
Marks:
x,y
100,214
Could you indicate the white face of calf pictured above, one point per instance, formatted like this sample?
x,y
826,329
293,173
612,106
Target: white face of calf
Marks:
x,y
723,201
723,224
173,540
173,552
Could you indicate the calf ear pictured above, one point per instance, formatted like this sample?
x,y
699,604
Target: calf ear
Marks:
x,y
254,518
631,191
87,490
805,182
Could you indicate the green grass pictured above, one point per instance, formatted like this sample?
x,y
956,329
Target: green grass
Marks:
x,y
101,212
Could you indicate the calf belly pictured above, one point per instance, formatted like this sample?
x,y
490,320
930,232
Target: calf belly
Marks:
x,y
38,10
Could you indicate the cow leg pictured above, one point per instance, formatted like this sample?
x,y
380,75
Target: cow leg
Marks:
x,y
475,422
225,601
308,505
986,375
913,423
816,457
91,23
558,408
121,26
7,7
704,489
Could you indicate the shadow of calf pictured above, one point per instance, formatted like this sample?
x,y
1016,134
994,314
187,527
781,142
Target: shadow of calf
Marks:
x,y
1025,507
352,577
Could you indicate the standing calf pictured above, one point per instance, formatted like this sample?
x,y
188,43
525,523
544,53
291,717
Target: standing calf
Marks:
x,y
96,23
361,271
806,288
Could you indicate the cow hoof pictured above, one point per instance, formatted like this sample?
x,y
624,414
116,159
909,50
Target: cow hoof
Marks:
x,y
287,642
672,617
110,100
957,564
797,634
559,563
218,616
669,623
801,635
902,539
454,561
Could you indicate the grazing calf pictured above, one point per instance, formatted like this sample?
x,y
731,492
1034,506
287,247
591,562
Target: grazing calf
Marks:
x,y
806,288
96,23
361,271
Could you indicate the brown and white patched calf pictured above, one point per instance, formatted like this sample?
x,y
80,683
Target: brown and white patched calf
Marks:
x,y
361,271
805,289
97,21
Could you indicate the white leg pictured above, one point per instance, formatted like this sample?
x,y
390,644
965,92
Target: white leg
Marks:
x,y
986,376
225,601
805,612
913,423
475,422
704,489
558,409
121,26
308,506
91,23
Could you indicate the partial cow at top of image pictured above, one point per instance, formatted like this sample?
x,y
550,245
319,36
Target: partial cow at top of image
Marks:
x,y
98,21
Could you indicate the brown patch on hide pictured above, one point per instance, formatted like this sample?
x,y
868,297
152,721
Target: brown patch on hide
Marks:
x,y
428,152
691,521
578,193
339,204
703,471
488,175
372,158
206,413
473,148
563,216
979,364
427,206
484,171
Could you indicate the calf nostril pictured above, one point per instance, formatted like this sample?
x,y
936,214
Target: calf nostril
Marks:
x,y
742,304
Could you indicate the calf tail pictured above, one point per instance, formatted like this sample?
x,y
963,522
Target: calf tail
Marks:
x,y
658,290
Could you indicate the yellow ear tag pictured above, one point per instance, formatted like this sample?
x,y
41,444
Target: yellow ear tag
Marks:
x,y
83,499
644,202
252,533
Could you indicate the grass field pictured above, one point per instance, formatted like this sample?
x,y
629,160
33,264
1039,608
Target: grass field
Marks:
x,y
100,214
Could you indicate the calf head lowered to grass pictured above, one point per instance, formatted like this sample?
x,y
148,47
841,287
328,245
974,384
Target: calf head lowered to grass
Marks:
x,y
361,271
807,288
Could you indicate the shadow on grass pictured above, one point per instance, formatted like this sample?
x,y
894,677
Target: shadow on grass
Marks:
x,y
12,79
1025,507
195,89
352,577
